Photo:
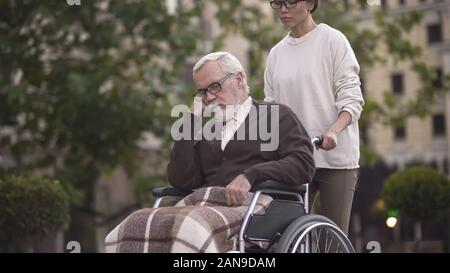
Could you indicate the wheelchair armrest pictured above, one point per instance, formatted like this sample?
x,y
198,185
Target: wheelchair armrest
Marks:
x,y
169,191
278,186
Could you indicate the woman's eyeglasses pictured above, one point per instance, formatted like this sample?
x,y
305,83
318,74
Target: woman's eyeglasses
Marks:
x,y
276,4
213,88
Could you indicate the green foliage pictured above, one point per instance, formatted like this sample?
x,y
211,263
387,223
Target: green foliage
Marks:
x,y
30,207
368,156
420,193
79,84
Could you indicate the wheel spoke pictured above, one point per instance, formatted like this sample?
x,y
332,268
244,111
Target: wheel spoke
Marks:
x,y
317,237
317,242
329,245
326,243
337,247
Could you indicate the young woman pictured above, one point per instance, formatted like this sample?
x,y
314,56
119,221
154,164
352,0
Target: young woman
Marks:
x,y
314,71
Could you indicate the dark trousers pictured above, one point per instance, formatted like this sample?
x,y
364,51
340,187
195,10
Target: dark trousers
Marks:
x,y
336,188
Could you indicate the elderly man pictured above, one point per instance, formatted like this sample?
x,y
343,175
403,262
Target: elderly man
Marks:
x,y
221,164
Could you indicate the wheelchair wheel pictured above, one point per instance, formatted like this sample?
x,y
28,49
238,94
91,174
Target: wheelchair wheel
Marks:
x,y
313,233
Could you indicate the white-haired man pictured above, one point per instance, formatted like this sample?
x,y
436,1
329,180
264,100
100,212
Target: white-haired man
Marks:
x,y
221,171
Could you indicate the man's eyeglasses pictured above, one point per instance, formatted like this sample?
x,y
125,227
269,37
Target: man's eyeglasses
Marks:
x,y
213,88
276,4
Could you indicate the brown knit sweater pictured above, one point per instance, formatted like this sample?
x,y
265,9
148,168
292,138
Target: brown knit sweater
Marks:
x,y
202,163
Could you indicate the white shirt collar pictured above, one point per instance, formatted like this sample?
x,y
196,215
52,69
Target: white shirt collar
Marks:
x,y
240,114
243,110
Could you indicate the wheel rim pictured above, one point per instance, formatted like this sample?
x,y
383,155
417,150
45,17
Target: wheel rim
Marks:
x,y
318,237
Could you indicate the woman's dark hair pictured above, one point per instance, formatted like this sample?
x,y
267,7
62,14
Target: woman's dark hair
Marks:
x,y
316,3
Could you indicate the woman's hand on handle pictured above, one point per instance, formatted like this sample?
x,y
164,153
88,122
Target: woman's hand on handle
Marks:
x,y
330,136
329,140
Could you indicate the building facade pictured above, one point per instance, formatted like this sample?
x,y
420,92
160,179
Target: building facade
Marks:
x,y
422,140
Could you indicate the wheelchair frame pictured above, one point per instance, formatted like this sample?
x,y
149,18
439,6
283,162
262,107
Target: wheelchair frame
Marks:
x,y
300,230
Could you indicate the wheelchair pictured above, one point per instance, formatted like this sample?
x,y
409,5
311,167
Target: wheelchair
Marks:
x,y
285,227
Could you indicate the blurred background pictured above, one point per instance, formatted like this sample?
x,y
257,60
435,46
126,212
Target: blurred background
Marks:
x,y
86,89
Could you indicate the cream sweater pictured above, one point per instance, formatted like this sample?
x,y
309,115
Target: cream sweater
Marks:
x,y
316,75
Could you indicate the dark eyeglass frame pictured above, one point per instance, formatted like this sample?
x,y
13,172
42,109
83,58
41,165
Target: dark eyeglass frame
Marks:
x,y
213,88
288,4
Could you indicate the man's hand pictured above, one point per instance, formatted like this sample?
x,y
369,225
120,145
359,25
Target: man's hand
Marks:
x,y
236,192
329,140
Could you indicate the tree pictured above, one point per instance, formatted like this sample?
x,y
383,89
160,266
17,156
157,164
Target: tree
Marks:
x,y
30,208
80,84
420,193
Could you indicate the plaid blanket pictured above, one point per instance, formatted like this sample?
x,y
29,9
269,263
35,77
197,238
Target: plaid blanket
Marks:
x,y
201,222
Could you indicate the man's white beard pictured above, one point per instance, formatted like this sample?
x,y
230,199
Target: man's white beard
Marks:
x,y
219,114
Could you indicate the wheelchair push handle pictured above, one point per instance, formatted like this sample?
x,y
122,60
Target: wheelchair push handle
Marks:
x,y
317,141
